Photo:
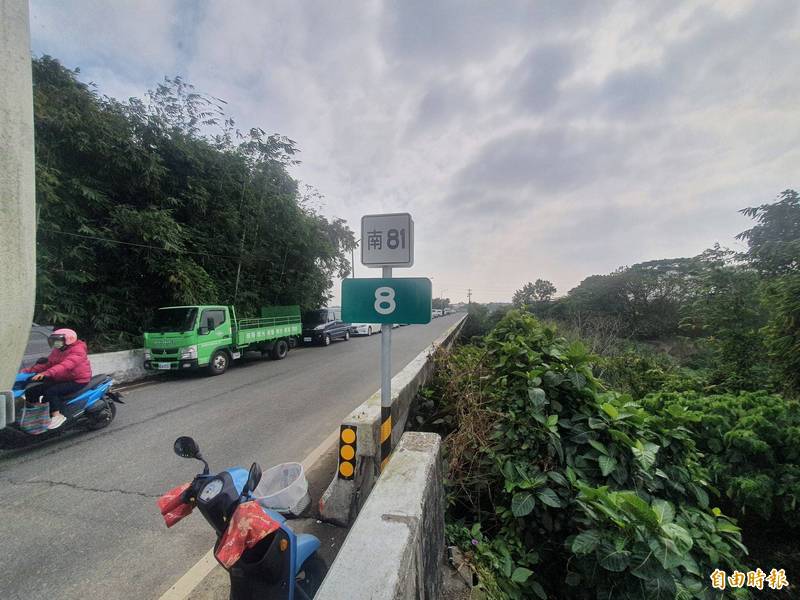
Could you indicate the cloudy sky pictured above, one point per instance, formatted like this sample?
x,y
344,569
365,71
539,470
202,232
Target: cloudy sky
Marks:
x,y
552,139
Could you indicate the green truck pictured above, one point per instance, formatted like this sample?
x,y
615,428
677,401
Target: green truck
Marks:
x,y
210,337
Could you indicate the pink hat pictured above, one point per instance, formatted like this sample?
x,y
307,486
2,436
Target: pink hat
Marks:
x,y
70,337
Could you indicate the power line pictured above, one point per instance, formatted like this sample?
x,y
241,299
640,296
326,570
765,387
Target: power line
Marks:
x,y
110,241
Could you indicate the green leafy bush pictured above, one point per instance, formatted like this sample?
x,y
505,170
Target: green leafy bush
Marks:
x,y
560,489
639,373
752,445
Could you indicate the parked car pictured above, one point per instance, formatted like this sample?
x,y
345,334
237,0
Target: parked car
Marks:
x,y
37,344
322,327
365,328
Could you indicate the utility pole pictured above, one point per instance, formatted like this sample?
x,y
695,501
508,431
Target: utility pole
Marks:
x,y
17,197
353,259
469,296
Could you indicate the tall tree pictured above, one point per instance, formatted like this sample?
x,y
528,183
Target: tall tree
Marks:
x,y
726,312
161,201
440,303
774,242
531,293
774,250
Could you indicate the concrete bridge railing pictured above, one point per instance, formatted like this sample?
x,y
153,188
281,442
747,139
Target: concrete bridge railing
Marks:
x,y
360,436
395,549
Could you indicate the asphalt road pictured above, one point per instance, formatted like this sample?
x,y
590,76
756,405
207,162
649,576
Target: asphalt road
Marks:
x,y
78,517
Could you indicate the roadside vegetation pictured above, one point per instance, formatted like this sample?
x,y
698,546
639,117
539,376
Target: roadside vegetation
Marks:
x,y
163,201
629,438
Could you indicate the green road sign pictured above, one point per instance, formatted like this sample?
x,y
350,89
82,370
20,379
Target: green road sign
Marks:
x,y
387,300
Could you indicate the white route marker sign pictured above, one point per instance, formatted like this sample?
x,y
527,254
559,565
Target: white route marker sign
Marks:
x,y
387,240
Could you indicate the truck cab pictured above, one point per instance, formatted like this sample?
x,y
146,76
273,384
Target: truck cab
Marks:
x,y
210,336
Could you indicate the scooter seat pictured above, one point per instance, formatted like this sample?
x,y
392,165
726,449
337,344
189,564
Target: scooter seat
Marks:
x,y
93,382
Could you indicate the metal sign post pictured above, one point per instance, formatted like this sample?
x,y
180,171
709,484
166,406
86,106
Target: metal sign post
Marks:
x,y
387,241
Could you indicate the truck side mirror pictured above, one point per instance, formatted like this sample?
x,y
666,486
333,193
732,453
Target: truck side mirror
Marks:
x,y
210,324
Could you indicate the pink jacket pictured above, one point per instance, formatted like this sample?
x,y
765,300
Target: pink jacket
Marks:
x,y
69,364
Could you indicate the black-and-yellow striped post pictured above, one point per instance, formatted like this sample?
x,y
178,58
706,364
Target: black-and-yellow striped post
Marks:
x,y
386,434
386,384
347,452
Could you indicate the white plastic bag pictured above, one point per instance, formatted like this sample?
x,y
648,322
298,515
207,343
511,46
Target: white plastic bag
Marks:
x,y
284,488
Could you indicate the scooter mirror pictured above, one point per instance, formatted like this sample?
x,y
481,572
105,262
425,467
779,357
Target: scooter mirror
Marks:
x,y
186,447
253,477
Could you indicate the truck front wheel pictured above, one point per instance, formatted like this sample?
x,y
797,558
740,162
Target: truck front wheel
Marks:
x,y
280,350
219,363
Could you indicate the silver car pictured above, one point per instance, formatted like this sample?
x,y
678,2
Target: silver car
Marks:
x,y
365,328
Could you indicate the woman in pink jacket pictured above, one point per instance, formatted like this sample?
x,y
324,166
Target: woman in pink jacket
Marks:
x,y
66,371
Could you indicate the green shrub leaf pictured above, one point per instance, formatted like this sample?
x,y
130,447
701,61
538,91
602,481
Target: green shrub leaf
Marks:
x,y
522,504
521,575
610,410
585,542
664,511
549,497
598,446
607,464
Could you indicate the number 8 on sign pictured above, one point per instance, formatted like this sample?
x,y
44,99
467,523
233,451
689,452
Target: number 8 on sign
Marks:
x,y
384,300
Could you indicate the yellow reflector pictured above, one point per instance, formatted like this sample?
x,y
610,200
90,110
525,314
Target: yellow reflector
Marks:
x,y
285,543
346,469
347,452
348,436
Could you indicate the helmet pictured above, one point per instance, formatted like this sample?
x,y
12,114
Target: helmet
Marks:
x,y
62,337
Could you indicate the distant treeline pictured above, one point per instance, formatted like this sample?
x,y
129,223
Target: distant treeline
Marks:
x,y
740,311
162,201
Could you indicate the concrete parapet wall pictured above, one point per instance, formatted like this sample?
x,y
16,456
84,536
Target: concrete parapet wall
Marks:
x,y
344,498
395,548
124,366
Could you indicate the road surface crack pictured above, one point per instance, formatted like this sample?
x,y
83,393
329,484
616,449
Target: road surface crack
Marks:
x,y
75,486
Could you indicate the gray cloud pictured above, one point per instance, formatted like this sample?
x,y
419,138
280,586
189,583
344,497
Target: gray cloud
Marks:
x,y
710,62
446,32
551,139
535,83
546,160
440,104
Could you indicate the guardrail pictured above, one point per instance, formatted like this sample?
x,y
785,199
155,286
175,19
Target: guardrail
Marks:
x,y
395,548
251,323
360,436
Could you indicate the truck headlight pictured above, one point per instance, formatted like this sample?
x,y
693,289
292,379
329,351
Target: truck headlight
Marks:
x,y
189,352
147,355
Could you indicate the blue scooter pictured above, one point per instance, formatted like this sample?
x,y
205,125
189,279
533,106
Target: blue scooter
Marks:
x,y
94,406
283,565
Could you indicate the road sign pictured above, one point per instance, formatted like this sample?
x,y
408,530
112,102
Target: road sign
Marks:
x,y
386,300
387,240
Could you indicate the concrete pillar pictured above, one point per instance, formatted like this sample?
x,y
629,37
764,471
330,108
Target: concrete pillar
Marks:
x,y
17,194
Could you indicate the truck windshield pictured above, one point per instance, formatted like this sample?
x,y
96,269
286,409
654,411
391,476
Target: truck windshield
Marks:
x,y
174,319
315,317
